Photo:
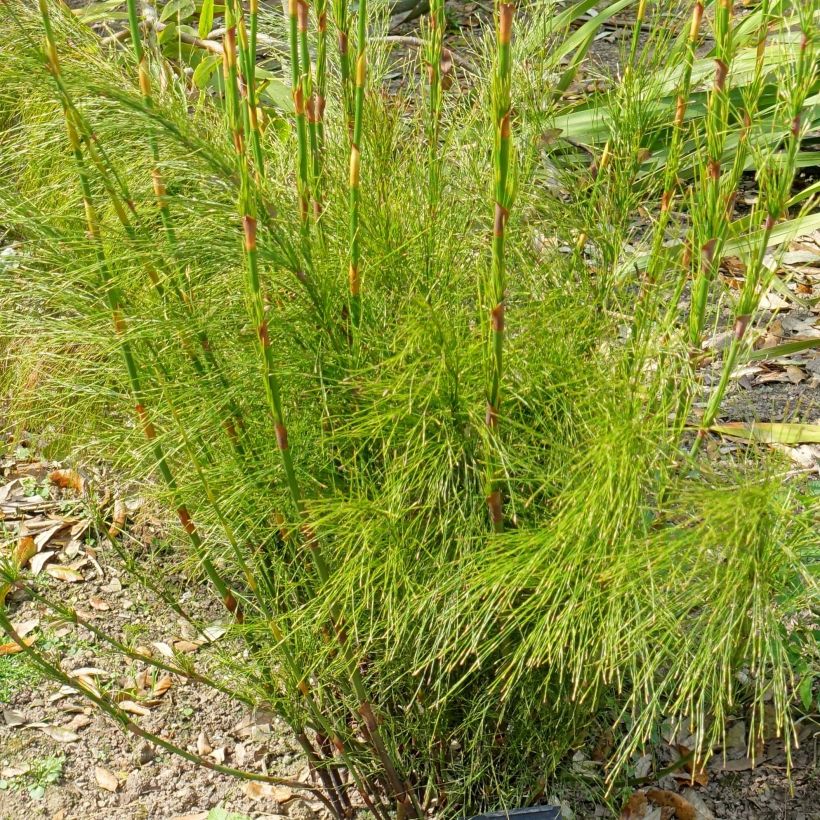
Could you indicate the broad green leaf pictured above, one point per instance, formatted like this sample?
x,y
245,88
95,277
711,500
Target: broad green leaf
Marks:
x,y
771,432
168,34
278,93
206,17
179,9
204,71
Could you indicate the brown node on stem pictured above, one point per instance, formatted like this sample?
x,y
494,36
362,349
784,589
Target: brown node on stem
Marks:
x,y
721,71
361,70
321,22
147,425
249,227
320,107
354,279
119,322
262,332
185,520
234,608
230,46
281,435
697,16
795,129
680,110
741,323
298,99
769,223
666,201
342,40
302,15
500,219
495,507
310,109
505,127
144,77
159,186
713,167
708,251
497,318
505,19
491,417
355,165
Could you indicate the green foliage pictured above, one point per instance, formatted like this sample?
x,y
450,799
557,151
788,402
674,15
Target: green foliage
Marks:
x,y
41,773
332,452
16,674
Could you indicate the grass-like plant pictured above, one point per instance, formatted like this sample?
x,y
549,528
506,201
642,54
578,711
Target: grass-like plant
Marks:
x,y
332,450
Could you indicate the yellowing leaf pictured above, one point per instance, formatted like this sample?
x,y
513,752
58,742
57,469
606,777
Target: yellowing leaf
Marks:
x,y
771,432
67,574
24,550
13,648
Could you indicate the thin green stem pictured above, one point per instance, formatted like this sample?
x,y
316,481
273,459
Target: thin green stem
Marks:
x,y
360,78
496,290
115,306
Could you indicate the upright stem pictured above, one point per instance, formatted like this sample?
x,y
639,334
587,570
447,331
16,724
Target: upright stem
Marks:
x,y
303,21
341,18
247,53
435,45
120,327
776,191
160,193
681,103
496,291
354,274
298,90
715,208
317,109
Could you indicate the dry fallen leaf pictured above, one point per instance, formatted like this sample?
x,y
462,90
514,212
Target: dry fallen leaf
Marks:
x,y
203,745
60,734
13,648
13,719
186,646
163,648
46,535
67,574
105,779
67,480
38,561
89,672
684,810
259,791
162,686
133,708
118,518
635,808
23,628
24,550
95,602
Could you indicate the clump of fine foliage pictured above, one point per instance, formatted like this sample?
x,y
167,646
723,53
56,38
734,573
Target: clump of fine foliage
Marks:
x,y
415,370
